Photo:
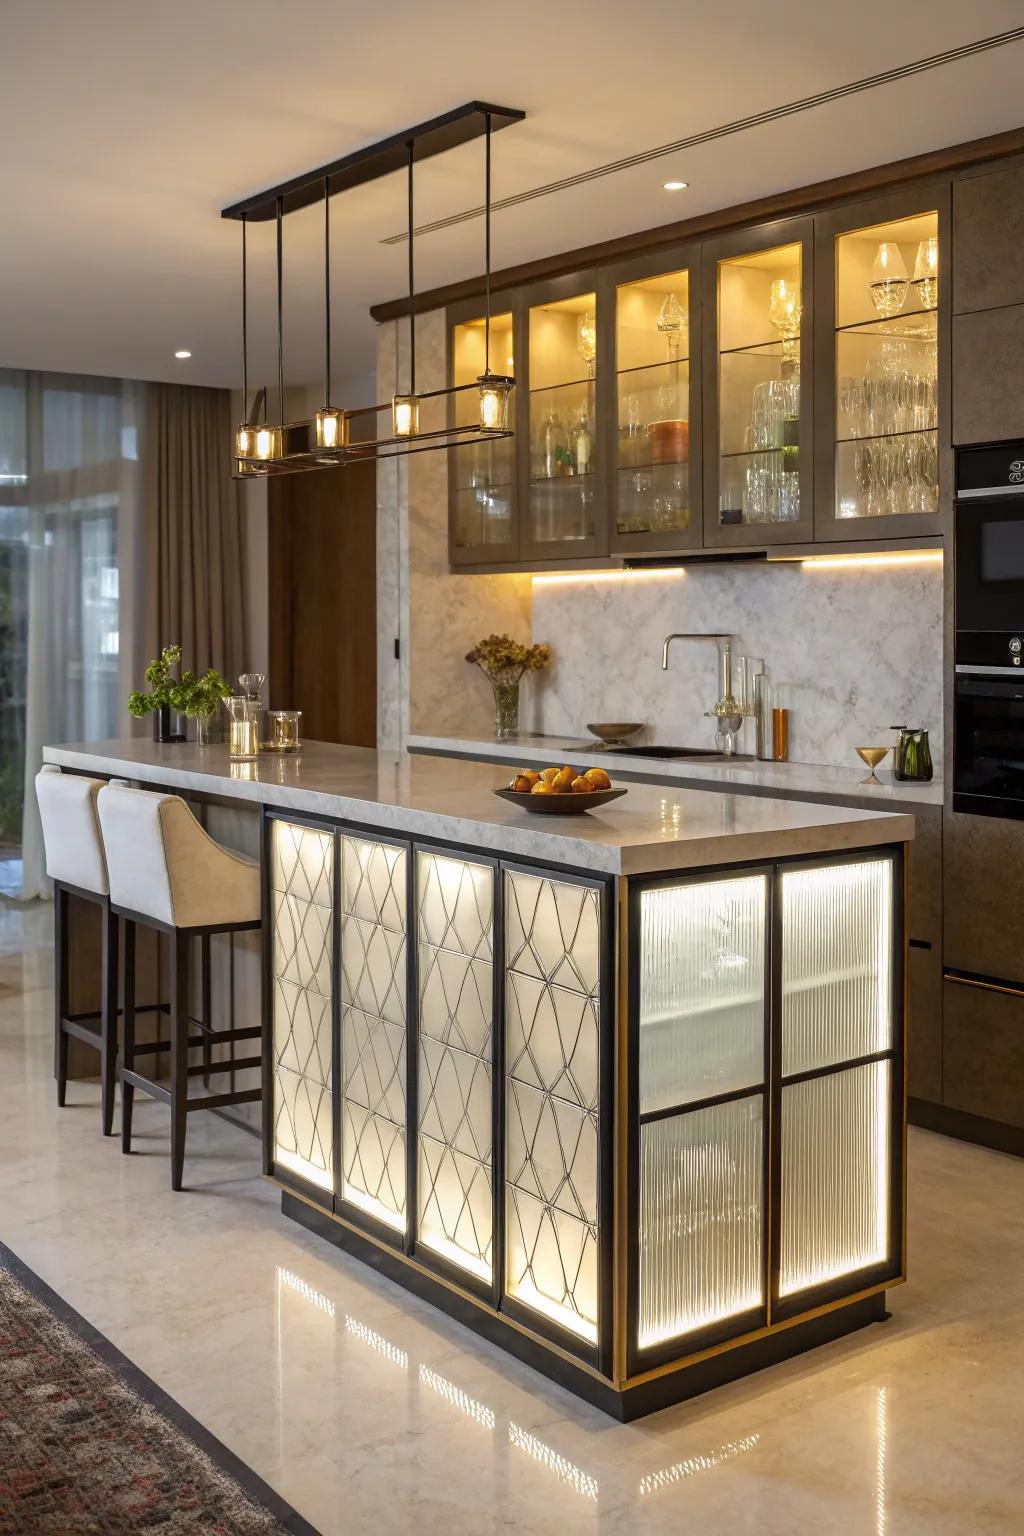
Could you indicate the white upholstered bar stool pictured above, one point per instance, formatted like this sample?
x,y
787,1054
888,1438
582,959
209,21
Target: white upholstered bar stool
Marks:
x,y
166,873
76,864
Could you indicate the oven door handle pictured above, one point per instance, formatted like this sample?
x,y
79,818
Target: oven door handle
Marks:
x,y
965,669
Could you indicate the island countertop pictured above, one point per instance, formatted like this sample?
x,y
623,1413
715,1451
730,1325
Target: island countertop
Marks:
x,y
652,828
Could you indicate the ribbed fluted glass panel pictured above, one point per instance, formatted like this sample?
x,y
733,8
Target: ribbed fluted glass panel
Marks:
x,y
302,881
700,1218
373,1027
837,955
702,989
454,922
552,1006
835,1175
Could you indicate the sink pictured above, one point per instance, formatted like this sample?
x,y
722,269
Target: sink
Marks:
x,y
682,752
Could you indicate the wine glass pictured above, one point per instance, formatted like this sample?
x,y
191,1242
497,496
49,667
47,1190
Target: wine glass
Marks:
x,y
926,272
890,281
785,310
586,341
672,323
871,757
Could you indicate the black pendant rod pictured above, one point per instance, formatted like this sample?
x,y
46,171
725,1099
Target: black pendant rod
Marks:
x,y
412,285
327,293
487,243
280,310
245,329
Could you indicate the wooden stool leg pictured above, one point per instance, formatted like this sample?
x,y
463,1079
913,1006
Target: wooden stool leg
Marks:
x,y
108,1020
179,1055
128,1036
61,990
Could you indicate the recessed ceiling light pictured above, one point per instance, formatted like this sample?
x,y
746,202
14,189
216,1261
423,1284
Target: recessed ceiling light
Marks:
x,y
182,353
675,186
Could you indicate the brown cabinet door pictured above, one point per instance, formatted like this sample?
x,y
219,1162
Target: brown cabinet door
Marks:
x,y
924,1025
988,375
983,895
988,241
924,862
881,361
983,1052
483,514
758,418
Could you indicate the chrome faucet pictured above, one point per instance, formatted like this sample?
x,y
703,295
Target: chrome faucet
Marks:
x,y
724,643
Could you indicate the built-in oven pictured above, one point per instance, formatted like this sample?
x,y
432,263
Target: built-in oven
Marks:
x,y
988,726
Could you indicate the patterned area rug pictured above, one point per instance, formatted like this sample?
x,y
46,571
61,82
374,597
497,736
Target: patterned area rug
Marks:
x,y
88,1444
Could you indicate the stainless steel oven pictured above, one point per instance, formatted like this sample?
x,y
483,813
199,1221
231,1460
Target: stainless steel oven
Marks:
x,y
988,727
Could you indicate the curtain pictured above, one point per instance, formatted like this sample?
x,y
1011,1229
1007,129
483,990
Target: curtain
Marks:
x,y
193,530
69,501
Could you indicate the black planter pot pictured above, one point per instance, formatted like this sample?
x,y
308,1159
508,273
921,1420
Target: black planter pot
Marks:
x,y
168,725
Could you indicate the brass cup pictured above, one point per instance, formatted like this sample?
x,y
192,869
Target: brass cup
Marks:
x,y
871,757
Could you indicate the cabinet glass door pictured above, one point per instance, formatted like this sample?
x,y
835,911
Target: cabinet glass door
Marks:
x,y
481,479
655,491
561,512
758,417
880,466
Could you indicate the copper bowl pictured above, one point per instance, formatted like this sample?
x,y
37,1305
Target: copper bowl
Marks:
x,y
670,442
613,733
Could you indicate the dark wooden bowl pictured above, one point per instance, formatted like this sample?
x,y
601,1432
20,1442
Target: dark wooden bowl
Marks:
x,y
560,805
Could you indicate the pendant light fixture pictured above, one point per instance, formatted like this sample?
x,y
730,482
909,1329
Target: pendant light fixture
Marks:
x,y
495,388
260,447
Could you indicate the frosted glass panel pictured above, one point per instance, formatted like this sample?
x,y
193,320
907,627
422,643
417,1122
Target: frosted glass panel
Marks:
x,y
835,1175
702,1002
454,917
836,963
700,1218
552,948
302,869
373,1027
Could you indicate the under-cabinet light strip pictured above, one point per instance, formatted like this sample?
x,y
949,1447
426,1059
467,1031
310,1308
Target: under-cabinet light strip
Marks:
x,y
563,578
853,562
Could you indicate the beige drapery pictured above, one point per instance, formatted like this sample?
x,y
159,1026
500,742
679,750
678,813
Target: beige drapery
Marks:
x,y
193,529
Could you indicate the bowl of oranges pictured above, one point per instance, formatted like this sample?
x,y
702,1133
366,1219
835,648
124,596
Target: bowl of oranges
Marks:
x,y
560,791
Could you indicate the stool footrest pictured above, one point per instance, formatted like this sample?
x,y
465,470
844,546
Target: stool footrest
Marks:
x,y
225,1100
155,1090
242,1063
83,1032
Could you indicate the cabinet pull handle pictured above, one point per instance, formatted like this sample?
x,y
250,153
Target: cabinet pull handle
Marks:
x,y
984,986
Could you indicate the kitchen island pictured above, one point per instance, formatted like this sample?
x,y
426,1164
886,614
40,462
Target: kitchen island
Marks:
x,y
622,1091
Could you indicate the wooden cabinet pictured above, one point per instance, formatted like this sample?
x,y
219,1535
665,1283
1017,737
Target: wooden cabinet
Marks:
x,y
988,241
988,375
881,348
983,891
483,511
983,1052
758,467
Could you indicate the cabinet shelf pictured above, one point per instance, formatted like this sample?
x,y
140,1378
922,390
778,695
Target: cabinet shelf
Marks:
x,y
921,325
881,437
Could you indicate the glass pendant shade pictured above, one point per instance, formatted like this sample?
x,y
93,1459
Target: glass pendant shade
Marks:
x,y
926,272
267,442
495,400
405,415
245,441
330,428
890,281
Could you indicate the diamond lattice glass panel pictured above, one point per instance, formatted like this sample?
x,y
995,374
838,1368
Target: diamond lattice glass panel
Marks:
x,y
553,947
835,1175
373,1014
702,989
302,880
836,963
700,1219
455,913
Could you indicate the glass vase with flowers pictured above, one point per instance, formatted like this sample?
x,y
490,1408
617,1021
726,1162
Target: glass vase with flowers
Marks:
x,y
504,661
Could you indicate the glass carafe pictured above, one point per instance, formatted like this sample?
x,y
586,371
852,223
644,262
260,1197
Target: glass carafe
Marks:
x,y
912,759
244,731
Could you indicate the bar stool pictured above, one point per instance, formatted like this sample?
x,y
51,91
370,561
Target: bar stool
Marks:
x,y
166,873
76,864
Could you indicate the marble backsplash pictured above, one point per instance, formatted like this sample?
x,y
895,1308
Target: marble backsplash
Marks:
x,y
850,652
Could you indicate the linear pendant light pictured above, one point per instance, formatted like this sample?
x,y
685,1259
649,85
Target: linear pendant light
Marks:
x,y
335,436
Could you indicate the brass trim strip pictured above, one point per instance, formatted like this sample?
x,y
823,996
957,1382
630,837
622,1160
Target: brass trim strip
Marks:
x,y
431,1274
983,986
620,1243
760,1333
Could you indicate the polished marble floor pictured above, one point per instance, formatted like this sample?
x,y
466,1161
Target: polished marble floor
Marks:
x,y
371,1414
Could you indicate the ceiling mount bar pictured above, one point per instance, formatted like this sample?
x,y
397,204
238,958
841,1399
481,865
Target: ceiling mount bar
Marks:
x,y
435,137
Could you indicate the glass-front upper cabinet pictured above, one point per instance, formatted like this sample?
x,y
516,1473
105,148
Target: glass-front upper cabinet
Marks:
x,y
757,438
653,415
880,365
481,475
561,514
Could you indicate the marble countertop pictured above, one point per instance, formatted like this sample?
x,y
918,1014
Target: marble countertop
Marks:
x,y
796,781
652,828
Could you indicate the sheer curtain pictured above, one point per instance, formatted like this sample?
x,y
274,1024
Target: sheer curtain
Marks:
x,y
77,521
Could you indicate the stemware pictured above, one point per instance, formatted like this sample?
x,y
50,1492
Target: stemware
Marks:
x,y
672,322
871,757
586,341
890,281
926,272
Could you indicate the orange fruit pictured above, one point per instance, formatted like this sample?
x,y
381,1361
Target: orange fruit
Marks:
x,y
598,778
530,775
542,787
521,784
549,774
562,781
582,786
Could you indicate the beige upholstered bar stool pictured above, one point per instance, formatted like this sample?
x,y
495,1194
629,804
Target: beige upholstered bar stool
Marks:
x,y
76,864
166,873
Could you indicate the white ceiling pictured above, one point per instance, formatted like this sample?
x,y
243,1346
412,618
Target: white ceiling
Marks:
x,y
127,124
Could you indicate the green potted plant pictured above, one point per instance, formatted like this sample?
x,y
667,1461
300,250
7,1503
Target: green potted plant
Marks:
x,y
171,699
504,661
